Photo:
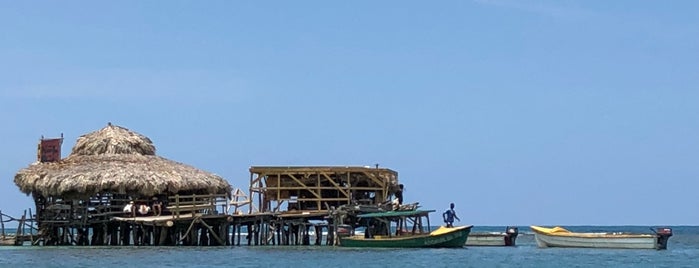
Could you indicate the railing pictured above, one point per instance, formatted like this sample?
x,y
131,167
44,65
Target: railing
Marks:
x,y
21,234
196,204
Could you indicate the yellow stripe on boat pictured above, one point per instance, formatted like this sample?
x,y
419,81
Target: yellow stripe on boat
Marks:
x,y
444,230
560,231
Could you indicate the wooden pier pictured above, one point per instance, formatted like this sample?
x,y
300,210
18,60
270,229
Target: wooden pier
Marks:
x,y
25,232
114,190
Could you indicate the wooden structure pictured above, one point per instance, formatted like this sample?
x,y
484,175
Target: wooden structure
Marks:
x,y
49,150
25,231
83,199
288,205
319,189
92,197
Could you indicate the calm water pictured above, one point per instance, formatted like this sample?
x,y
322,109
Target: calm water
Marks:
x,y
683,251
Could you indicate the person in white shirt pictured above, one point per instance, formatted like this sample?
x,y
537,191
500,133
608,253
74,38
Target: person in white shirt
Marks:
x,y
129,208
143,209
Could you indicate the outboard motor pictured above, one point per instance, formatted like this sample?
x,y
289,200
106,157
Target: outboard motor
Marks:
x,y
662,236
344,230
511,236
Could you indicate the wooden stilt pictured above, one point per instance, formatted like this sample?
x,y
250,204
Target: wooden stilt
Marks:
x,y
239,233
163,235
306,236
125,234
319,234
203,237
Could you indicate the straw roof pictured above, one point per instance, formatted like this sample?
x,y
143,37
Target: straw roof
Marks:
x,y
117,160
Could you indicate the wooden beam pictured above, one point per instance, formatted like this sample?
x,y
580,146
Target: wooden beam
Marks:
x,y
337,186
304,185
213,233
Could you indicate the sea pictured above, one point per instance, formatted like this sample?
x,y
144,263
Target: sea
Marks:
x,y
683,251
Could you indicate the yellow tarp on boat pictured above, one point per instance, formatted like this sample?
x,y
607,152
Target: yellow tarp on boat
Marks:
x,y
554,230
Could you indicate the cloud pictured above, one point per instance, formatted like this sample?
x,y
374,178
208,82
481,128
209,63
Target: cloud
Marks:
x,y
555,9
120,84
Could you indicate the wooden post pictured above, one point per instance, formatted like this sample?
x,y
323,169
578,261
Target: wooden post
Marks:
x,y
2,225
239,226
233,226
163,236
177,206
31,225
203,236
20,226
250,231
224,234
334,233
256,233
279,230
113,230
64,239
318,237
134,233
306,236
125,234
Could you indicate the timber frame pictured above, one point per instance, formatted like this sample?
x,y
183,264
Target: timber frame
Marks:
x,y
319,188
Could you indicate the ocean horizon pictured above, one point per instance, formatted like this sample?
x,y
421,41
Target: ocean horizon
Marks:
x,y
683,251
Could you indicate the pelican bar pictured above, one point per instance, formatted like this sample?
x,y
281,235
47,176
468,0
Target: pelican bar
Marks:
x,y
112,189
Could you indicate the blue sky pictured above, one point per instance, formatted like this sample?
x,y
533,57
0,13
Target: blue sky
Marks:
x,y
520,112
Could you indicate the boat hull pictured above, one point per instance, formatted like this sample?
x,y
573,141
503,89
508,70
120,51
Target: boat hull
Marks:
x,y
484,239
595,240
442,238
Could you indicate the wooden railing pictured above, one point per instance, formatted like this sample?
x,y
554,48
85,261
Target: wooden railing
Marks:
x,y
21,234
197,204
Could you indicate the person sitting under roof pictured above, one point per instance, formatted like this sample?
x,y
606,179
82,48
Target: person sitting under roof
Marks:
x,y
143,209
157,206
130,209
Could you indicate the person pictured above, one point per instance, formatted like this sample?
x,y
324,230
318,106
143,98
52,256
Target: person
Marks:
x,y
157,206
449,216
129,209
399,194
143,209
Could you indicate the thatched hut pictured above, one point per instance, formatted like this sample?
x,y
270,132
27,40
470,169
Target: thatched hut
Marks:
x,y
116,160
105,170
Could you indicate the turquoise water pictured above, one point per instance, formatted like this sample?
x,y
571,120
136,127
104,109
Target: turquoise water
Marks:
x,y
683,251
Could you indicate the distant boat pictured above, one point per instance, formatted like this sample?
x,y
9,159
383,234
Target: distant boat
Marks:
x,y
380,235
560,237
507,238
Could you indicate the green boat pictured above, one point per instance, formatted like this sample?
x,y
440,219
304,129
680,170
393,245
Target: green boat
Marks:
x,y
405,229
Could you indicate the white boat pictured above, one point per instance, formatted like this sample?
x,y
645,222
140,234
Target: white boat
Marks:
x,y
497,239
560,237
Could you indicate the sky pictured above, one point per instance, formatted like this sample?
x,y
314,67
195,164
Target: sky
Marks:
x,y
521,112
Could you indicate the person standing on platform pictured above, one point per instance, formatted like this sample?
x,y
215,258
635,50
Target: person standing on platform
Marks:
x,y
449,216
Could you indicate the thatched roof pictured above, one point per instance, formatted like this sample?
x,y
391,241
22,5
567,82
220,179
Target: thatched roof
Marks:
x,y
117,160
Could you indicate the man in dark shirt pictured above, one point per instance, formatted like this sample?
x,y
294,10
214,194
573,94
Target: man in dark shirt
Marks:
x,y
449,216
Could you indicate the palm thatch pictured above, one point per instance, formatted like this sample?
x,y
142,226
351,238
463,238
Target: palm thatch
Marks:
x,y
116,160
113,140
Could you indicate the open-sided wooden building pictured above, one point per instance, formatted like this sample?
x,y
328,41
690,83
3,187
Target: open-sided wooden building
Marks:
x,y
319,189
305,197
85,193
